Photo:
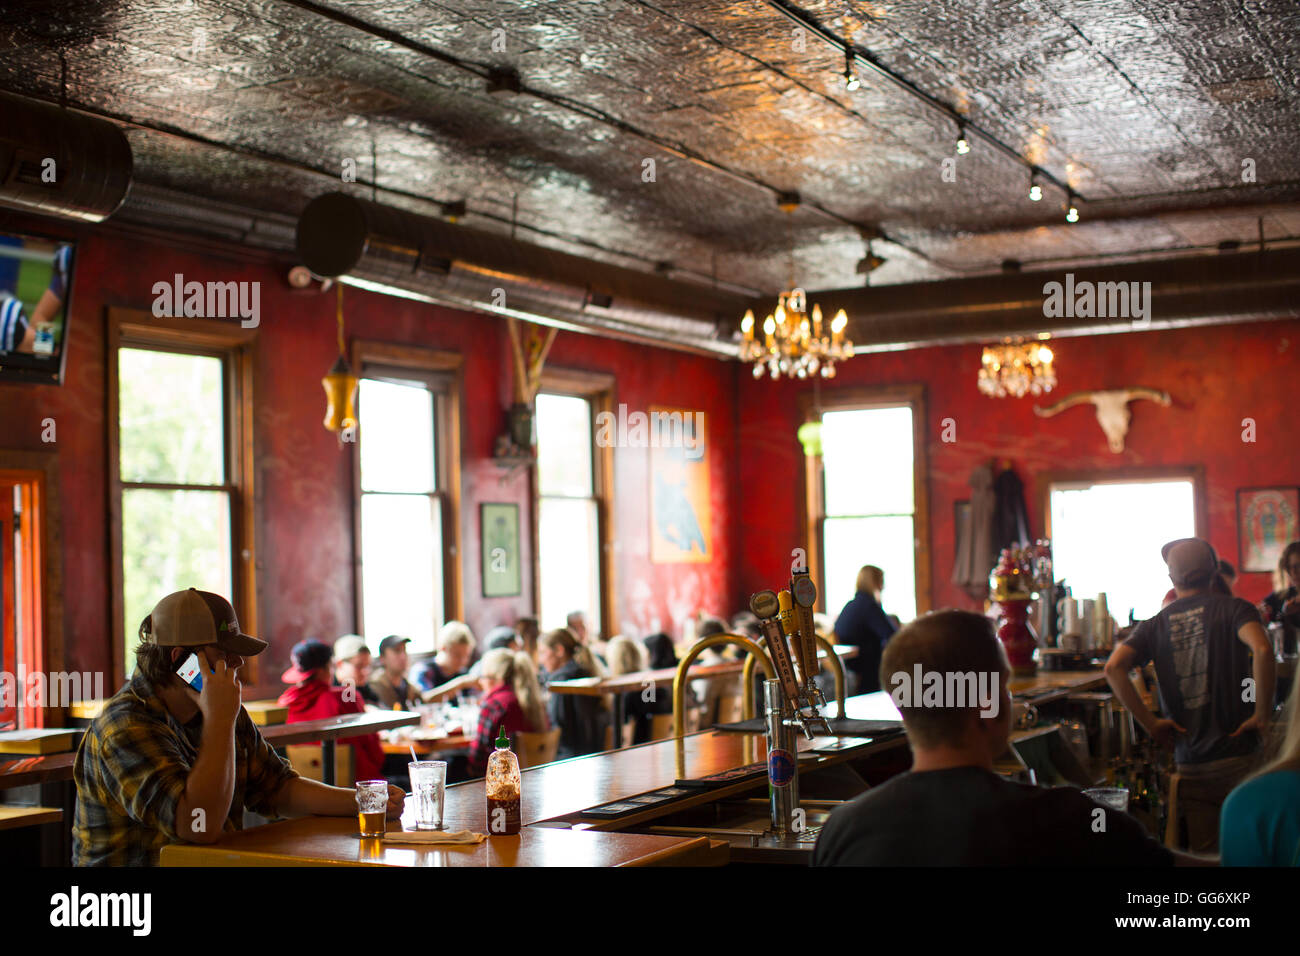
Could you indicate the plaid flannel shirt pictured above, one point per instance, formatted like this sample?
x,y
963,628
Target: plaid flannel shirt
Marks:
x,y
131,770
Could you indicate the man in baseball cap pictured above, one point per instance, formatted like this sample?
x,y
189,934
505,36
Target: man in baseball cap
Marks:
x,y
1207,646
174,757
390,685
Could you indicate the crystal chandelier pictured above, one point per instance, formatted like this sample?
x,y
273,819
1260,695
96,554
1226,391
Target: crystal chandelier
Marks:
x,y
794,343
1016,369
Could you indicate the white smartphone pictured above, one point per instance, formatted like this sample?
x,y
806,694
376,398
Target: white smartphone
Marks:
x,y
190,672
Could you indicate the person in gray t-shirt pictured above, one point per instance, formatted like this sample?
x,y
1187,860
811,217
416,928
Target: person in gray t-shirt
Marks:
x,y
1216,700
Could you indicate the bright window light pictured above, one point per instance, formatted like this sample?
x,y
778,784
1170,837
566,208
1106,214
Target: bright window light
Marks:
x,y
1106,538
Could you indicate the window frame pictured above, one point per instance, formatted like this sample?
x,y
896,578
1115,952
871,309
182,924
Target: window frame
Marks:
x,y
813,488
444,373
235,346
1127,475
598,389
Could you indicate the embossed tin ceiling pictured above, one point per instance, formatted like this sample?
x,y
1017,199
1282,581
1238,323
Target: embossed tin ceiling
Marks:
x,y
1146,108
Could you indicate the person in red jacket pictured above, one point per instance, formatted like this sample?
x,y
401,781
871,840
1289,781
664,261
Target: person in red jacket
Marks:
x,y
312,698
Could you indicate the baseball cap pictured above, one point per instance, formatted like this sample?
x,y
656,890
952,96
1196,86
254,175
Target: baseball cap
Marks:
x,y
502,636
393,643
1192,562
307,656
349,646
191,618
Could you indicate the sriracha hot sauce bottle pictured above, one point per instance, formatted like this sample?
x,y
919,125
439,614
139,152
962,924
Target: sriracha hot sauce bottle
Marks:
x,y
503,788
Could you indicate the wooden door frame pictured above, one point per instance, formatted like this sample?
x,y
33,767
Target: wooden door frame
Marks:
x,y
38,472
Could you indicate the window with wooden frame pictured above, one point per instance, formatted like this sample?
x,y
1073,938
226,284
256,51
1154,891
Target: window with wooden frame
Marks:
x,y
572,524
866,499
180,402
1139,509
408,579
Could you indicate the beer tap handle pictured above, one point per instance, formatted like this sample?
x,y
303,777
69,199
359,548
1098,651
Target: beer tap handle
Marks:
x,y
765,606
790,625
805,597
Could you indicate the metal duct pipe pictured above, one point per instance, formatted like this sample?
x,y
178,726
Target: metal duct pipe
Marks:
x,y
341,235
1209,290
55,162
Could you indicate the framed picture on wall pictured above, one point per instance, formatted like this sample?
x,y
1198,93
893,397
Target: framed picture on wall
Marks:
x,y
499,546
1266,521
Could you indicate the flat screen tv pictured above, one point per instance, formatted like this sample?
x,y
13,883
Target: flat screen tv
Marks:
x,y
35,282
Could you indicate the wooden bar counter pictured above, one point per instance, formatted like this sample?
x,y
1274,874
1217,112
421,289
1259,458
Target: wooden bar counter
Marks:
x,y
554,796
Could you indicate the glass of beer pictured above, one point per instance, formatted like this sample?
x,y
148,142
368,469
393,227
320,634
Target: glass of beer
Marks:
x,y
428,787
372,806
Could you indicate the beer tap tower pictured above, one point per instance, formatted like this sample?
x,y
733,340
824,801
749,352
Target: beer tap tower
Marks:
x,y
792,700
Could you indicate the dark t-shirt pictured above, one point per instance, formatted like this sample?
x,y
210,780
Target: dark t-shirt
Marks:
x,y
864,624
968,816
1201,665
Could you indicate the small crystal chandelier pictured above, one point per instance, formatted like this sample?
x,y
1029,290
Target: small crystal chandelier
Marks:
x,y
794,343
1016,369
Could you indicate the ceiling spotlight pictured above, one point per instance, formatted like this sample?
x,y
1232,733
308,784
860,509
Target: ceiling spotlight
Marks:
x,y
851,81
1035,190
963,146
1072,213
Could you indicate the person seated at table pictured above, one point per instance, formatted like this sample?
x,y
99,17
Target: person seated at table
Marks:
x,y
511,698
627,656
447,674
312,697
581,719
164,763
951,809
352,663
1284,603
576,622
1260,821
390,685
529,631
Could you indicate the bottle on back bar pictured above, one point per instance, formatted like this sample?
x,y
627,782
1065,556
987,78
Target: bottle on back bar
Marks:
x,y
503,786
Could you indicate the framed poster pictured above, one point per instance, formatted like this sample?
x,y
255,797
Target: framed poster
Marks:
x,y
499,547
1266,521
681,514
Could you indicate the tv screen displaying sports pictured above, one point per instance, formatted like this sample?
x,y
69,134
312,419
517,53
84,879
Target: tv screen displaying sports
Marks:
x,y
35,280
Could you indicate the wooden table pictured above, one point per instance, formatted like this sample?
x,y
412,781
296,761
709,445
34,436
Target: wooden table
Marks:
x,y
427,745
50,769
46,740
13,818
333,841
329,730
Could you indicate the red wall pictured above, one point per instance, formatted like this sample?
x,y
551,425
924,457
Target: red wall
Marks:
x,y
304,479
1216,377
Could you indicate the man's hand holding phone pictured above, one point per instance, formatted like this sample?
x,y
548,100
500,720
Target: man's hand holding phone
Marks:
x,y
219,700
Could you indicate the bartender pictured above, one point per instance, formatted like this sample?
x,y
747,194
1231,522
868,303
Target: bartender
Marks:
x,y
1284,605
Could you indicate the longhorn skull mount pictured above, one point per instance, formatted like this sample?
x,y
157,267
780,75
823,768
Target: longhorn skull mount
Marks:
x,y
1112,409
